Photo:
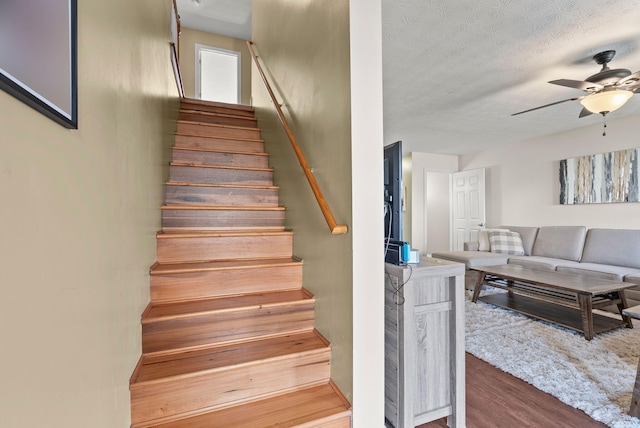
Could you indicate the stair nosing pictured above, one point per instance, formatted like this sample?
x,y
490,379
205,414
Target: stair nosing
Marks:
x,y
219,125
241,186
237,309
259,264
167,207
231,152
198,373
326,347
214,233
225,115
230,342
264,396
235,139
237,168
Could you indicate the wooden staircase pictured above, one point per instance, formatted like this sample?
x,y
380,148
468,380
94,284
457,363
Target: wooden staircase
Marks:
x,y
228,339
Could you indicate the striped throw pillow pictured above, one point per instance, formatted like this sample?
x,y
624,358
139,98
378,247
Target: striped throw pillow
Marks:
x,y
506,243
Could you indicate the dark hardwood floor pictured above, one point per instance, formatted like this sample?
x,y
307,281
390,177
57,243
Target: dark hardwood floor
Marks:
x,y
496,399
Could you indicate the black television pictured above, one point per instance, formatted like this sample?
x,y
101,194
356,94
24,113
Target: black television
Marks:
x,y
393,191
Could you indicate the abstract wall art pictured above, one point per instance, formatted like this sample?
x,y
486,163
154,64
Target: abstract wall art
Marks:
x,y
602,178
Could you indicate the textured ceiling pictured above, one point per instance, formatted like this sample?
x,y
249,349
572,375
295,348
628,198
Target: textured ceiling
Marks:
x,y
455,70
230,18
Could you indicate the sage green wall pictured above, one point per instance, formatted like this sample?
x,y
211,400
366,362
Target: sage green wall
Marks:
x,y
188,40
305,47
80,209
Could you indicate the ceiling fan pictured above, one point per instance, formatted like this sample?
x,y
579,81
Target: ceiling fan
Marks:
x,y
607,90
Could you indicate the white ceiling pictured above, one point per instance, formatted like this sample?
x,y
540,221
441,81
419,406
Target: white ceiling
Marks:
x,y
231,18
455,70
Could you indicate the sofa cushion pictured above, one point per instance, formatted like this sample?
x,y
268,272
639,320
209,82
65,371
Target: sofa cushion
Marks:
x,y
597,270
633,294
618,247
527,234
506,242
560,242
470,246
537,262
484,244
473,258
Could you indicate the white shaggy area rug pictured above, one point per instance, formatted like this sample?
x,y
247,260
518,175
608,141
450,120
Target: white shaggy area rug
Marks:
x,y
594,376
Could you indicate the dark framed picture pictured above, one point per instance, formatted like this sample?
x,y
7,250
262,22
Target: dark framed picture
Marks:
x,y
38,56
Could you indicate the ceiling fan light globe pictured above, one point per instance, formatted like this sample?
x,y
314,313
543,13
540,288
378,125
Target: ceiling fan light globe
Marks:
x,y
606,101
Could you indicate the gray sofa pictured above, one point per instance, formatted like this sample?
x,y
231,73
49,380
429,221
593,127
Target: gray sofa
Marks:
x,y
604,253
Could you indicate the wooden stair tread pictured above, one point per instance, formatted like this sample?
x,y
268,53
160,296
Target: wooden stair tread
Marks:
x,y
233,186
234,139
163,367
209,113
242,168
220,233
169,311
223,207
172,268
228,338
320,404
231,152
218,104
218,125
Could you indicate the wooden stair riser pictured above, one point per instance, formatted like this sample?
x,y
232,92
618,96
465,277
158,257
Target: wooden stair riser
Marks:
x,y
210,329
224,131
315,407
195,195
218,118
196,174
217,108
224,282
153,402
202,248
217,219
194,157
222,144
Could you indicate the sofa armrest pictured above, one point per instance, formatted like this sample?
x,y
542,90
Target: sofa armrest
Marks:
x,y
471,246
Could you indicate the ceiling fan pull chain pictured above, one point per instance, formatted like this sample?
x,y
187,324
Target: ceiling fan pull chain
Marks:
x,y
604,125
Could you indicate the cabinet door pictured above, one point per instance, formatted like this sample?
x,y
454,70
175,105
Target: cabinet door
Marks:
x,y
428,350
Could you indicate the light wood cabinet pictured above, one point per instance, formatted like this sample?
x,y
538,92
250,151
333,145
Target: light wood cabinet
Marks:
x,y
424,343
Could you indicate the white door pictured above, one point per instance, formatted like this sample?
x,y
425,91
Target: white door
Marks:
x,y
467,190
217,74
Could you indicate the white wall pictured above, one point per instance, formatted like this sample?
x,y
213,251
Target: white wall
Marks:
x,y
523,178
416,166
438,203
367,220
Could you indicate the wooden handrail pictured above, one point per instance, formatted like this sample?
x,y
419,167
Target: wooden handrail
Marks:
x,y
336,229
175,48
176,69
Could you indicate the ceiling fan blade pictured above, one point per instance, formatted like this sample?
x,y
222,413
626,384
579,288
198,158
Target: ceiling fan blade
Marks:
x,y
584,112
632,78
547,105
578,84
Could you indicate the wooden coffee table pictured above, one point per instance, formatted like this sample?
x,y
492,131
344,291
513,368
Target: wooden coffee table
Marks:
x,y
560,298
